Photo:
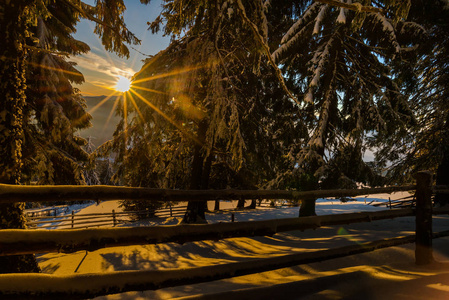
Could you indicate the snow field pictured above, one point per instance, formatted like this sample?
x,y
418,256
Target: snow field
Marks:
x,y
391,264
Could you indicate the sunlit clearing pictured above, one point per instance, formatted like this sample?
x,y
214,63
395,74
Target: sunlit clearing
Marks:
x,y
123,84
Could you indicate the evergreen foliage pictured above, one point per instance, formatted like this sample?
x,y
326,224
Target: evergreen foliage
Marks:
x,y
422,144
340,59
204,115
90,173
35,36
54,110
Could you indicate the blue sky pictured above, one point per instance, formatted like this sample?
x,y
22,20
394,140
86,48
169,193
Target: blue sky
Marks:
x,y
101,68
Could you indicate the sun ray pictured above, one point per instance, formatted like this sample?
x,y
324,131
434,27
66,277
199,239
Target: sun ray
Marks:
x,y
55,69
117,99
106,87
149,90
93,109
125,120
175,72
133,102
151,105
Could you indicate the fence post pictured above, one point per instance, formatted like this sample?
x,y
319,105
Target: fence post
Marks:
x,y
232,217
423,251
113,217
171,211
73,218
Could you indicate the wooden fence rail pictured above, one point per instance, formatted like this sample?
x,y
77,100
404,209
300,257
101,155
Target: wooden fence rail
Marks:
x,y
29,193
81,286
17,241
100,219
90,285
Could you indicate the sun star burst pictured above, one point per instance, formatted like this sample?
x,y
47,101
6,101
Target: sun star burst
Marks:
x,y
123,84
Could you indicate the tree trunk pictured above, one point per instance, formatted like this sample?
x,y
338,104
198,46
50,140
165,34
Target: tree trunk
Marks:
x,y
12,101
205,176
443,171
253,204
307,208
442,179
195,212
217,205
241,203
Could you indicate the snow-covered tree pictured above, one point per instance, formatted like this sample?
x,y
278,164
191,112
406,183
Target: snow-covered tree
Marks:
x,y
339,53
90,170
54,110
204,115
14,29
423,144
24,42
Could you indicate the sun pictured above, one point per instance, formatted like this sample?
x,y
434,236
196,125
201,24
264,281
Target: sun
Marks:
x,y
123,84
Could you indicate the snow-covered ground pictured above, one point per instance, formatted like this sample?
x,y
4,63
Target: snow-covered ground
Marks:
x,y
349,277
227,208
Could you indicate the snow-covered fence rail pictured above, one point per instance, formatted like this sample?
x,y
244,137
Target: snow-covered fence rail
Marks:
x,y
81,286
90,285
29,193
16,241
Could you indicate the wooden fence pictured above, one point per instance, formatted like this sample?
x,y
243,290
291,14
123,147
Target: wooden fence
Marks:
x,y
76,221
45,286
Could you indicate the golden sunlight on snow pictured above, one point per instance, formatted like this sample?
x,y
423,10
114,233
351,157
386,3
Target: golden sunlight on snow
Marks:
x,y
386,273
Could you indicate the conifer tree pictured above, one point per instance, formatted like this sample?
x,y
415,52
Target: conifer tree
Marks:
x,y
54,110
422,145
20,21
90,172
339,55
14,29
204,114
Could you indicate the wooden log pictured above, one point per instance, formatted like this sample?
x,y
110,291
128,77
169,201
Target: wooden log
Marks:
x,y
93,222
77,224
69,217
19,241
29,193
423,251
91,285
94,215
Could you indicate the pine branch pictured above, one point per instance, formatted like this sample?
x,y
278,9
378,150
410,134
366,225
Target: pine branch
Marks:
x,y
266,50
38,49
85,14
355,6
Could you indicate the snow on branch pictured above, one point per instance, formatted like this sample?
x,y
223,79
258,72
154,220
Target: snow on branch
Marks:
x,y
341,16
266,49
358,7
388,28
304,19
323,58
319,18
276,55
